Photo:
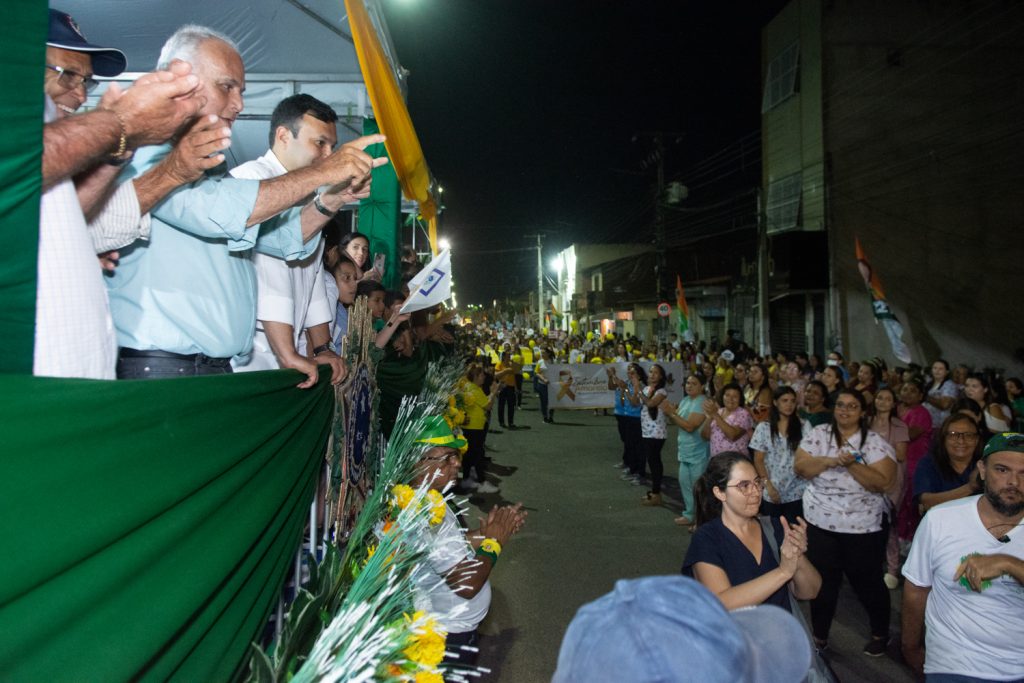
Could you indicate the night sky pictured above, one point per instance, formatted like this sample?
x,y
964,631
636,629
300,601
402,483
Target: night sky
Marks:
x,y
527,112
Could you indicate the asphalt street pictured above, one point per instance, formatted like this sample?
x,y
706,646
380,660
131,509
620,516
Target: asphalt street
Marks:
x,y
586,530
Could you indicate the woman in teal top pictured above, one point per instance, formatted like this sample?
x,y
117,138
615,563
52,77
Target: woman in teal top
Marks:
x,y
693,449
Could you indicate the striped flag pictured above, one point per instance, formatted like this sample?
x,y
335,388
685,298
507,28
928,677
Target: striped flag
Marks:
x,y
682,311
883,313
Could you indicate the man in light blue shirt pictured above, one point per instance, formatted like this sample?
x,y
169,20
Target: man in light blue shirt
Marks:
x,y
184,302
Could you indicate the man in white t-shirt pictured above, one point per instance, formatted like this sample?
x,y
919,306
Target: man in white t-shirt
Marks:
x,y
965,578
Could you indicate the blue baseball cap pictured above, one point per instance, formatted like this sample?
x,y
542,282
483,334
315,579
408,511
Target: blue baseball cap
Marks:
x,y
64,33
670,629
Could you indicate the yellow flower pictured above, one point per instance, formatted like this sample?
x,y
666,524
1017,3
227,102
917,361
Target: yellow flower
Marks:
x,y
426,640
438,507
402,495
370,550
431,676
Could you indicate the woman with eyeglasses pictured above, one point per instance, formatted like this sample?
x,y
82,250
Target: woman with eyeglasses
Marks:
x,y
949,472
849,469
730,554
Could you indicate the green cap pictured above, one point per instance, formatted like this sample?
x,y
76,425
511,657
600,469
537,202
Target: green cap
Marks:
x,y
436,432
1006,441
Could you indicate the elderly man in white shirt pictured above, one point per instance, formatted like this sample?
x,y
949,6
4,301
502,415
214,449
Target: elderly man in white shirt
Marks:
x,y
292,299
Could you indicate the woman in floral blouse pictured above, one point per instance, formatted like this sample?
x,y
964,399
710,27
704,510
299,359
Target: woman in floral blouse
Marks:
x,y
729,427
849,469
774,446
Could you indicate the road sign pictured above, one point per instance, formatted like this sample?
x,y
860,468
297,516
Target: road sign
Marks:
x,y
664,309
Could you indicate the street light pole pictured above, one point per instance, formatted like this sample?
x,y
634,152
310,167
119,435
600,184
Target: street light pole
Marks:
x,y
540,286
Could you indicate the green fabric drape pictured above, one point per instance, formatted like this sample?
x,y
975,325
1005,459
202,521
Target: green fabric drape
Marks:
x,y
146,526
378,213
23,35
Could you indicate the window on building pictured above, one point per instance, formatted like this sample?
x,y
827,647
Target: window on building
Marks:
x,y
597,282
783,208
781,82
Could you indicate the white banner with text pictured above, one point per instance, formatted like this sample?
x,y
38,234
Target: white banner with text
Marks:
x,y
585,385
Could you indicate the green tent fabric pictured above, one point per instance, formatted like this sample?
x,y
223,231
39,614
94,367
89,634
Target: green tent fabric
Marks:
x,y
378,213
23,35
146,526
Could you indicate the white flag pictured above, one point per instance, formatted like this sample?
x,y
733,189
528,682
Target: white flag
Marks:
x,y
430,286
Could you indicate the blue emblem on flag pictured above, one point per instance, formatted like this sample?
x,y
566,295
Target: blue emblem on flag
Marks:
x,y
432,281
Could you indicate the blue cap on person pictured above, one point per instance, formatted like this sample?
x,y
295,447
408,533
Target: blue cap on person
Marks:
x,y
662,629
64,33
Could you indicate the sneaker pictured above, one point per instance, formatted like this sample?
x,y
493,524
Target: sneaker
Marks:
x,y
891,581
487,487
683,521
469,483
876,647
641,481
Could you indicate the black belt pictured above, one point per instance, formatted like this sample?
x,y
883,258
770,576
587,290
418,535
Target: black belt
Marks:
x,y
197,358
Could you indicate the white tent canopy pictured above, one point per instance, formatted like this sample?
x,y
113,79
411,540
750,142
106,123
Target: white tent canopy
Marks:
x,y
288,47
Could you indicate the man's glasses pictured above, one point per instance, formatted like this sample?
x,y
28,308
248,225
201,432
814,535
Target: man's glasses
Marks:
x,y
962,436
444,459
746,487
71,79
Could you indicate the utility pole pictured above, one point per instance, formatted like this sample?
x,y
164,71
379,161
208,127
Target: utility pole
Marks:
x,y
540,286
658,156
540,280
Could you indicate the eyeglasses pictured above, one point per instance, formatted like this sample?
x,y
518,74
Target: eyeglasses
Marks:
x,y
71,79
444,459
746,487
962,436
848,406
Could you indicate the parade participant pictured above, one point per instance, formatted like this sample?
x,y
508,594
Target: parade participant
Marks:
x,y
848,468
729,553
814,411
833,381
356,246
627,417
345,274
460,561
941,393
652,428
919,429
541,382
184,302
965,578
505,372
692,448
774,446
477,406
729,426
758,394
997,414
891,428
291,297
948,472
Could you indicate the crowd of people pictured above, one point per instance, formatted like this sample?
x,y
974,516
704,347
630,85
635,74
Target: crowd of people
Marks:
x,y
844,459
155,263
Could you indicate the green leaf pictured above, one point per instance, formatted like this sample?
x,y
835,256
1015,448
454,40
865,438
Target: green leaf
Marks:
x,y
260,668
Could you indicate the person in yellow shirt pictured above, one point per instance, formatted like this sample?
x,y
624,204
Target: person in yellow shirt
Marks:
x,y
477,405
505,373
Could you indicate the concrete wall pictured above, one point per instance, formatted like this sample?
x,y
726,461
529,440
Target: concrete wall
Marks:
x,y
791,133
923,106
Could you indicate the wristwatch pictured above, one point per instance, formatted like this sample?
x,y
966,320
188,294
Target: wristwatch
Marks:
x,y
321,208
